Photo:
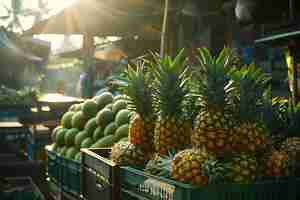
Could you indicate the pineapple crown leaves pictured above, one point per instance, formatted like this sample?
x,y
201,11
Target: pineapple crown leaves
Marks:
x,y
250,84
163,163
213,76
171,78
136,85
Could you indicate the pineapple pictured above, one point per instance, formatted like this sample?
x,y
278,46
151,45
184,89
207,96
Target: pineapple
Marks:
x,y
136,87
277,164
292,147
243,169
160,165
249,132
170,91
125,153
187,166
212,126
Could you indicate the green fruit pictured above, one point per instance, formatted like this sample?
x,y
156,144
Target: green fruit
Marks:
x,y
120,97
53,147
98,133
79,107
109,106
104,117
71,153
63,151
87,142
123,117
119,105
66,120
90,108
122,132
103,99
110,129
60,136
106,141
79,120
54,132
70,136
78,156
72,108
79,138
124,139
90,126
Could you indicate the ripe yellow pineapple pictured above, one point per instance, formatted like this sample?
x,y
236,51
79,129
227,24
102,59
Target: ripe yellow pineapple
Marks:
x,y
125,153
187,166
170,91
213,124
136,86
250,135
277,164
243,169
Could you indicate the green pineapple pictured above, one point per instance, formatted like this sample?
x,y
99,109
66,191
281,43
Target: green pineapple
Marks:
x,y
250,134
136,85
213,124
170,91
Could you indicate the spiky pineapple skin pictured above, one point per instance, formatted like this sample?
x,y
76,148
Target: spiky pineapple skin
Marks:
x,y
213,131
187,166
141,132
170,133
249,137
244,169
277,164
125,153
292,147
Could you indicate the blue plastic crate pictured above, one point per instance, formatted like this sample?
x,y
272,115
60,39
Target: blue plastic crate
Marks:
x,y
36,146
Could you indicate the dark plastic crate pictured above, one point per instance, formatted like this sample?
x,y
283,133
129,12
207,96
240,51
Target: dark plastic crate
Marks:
x,y
140,185
71,172
36,146
21,188
53,165
100,176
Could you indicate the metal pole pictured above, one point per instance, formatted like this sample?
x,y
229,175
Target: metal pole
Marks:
x,y
164,27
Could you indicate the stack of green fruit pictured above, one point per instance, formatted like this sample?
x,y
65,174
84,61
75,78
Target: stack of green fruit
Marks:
x,y
95,123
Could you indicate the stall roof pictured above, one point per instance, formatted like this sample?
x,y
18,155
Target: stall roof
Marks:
x,y
12,51
279,38
101,18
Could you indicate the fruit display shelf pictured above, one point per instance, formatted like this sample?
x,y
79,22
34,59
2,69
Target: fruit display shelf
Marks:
x,y
99,175
136,183
21,188
64,172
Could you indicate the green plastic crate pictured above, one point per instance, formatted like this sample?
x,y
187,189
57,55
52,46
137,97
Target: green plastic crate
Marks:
x,y
71,172
140,185
21,188
53,165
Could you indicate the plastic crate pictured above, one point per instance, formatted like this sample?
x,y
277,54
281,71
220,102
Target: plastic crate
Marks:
x,y
16,110
70,175
139,185
21,188
36,145
53,165
100,176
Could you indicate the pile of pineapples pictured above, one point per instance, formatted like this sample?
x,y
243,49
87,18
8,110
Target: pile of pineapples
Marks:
x,y
202,124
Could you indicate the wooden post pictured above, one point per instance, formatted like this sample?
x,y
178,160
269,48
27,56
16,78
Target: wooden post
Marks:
x,y
164,27
88,53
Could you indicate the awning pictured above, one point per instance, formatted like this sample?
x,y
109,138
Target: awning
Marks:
x,y
12,52
102,18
